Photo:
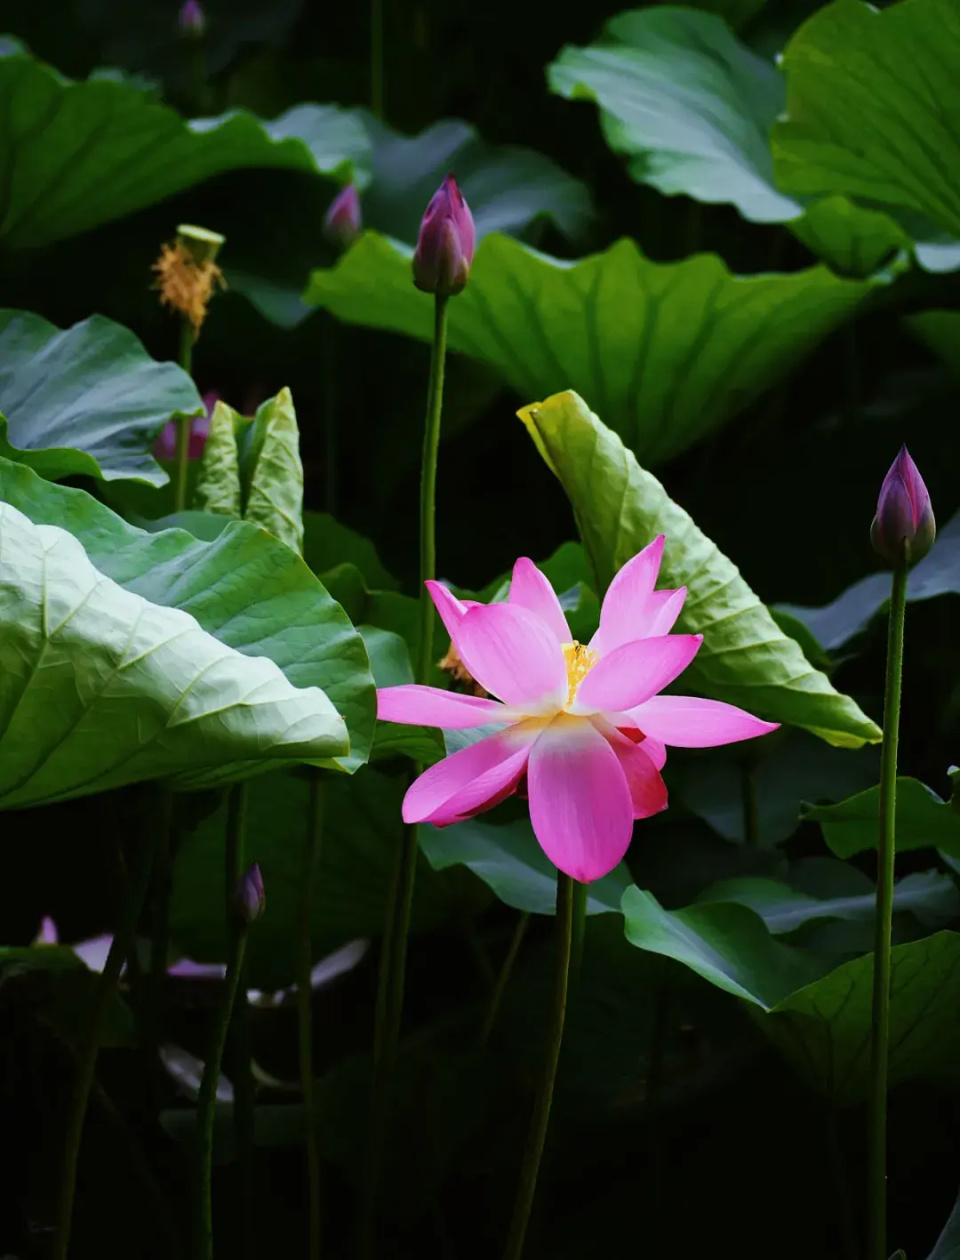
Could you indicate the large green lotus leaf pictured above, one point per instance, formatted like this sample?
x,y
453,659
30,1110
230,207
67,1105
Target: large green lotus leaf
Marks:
x,y
819,1017
745,658
85,400
692,108
825,1028
74,155
669,351
873,107
216,492
924,821
100,687
362,832
271,474
509,860
938,573
244,587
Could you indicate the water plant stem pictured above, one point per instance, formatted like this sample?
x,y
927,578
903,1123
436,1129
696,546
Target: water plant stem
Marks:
x,y
428,486
886,850
122,945
311,860
527,1184
503,977
207,1104
183,423
579,927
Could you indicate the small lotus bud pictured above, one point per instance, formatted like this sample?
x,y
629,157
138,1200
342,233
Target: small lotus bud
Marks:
x,y
903,528
192,20
248,899
445,246
342,223
48,932
165,446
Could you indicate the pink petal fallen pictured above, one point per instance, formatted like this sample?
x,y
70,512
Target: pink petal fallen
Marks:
x,y
624,613
634,672
513,655
467,780
689,722
429,706
580,804
530,589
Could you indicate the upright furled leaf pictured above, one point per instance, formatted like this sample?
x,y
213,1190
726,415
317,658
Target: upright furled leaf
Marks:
x,y
218,479
100,687
745,658
271,472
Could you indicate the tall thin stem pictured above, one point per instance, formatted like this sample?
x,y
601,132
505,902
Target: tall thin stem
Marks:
x,y
311,860
428,487
527,1184
503,978
376,57
886,851
104,989
579,928
207,1104
183,424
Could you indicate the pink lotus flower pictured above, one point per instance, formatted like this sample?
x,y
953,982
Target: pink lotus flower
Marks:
x,y
446,243
165,446
343,222
903,527
584,725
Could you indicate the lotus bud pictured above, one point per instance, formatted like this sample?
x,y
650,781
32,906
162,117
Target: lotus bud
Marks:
x,y
445,246
192,19
248,898
342,223
903,528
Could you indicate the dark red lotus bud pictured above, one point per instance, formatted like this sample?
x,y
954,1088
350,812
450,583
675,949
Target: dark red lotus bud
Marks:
x,y
904,527
446,244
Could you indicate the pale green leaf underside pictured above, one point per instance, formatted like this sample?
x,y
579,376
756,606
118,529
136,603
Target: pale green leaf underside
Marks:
x,y
85,400
99,687
667,351
244,587
217,488
745,658
74,155
271,471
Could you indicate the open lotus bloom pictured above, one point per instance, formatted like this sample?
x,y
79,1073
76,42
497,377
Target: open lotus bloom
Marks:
x,y
584,727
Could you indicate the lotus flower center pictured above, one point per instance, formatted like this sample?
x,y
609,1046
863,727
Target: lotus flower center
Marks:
x,y
580,660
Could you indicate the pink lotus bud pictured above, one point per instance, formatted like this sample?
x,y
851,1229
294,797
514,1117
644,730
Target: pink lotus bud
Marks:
x,y
446,243
48,932
342,223
903,528
248,899
192,20
166,444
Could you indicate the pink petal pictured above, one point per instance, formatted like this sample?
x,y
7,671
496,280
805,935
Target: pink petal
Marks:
x,y
476,776
429,706
513,655
688,722
656,751
634,672
451,610
648,792
530,589
624,611
580,804
663,609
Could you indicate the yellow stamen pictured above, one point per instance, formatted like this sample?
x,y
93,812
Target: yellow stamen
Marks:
x,y
580,660
186,284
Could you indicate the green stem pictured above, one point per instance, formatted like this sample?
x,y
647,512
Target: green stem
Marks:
x,y
207,1104
376,57
527,1185
106,986
428,487
311,862
579,927
238,1028
880,1028
503,979
183,424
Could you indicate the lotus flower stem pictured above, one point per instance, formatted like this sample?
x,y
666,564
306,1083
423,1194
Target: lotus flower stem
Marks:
x,y
527,1186
305,1006
503,978
106,986
183,423
207,1103
579,927
428,486
886,851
